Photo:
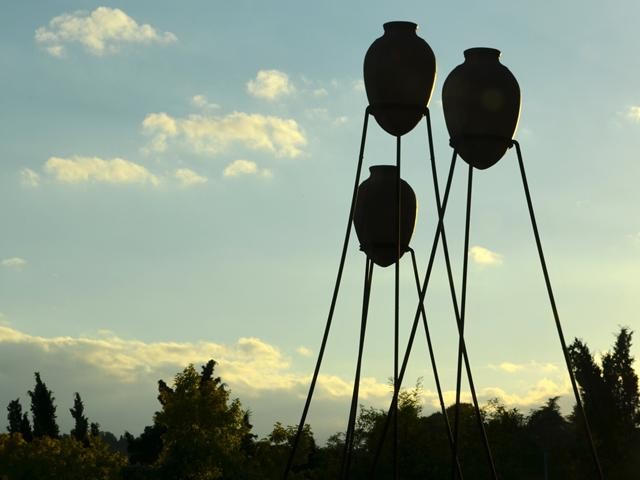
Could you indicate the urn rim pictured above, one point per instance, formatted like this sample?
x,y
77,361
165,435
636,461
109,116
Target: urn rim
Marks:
x,y
482,52
382,168
400,25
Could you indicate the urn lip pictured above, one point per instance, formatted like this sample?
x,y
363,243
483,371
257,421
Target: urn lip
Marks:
x,y
400,26
477,53
382,169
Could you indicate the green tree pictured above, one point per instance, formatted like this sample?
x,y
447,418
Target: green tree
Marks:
x,y
43,410
204,429
80,430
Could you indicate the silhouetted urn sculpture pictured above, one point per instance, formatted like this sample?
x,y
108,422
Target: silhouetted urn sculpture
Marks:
x,y
399,73
376,215
481,103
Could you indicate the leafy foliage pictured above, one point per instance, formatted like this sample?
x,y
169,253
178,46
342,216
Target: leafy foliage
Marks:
x,y
204,430
47,458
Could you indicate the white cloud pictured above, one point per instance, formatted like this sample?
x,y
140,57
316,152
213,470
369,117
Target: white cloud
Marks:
x,y
304,351
633,113
320,92
15,263
358,85
201,101
80,169
188,177
270,84
245,167
163,127
510,367
534,396
102,31
341,120
29,178
241,167
484,256
211,135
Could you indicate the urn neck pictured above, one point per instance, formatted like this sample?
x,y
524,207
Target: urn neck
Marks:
x,y
383,170
406,28
482,54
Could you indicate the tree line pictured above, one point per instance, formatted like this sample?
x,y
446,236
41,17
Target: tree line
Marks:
x,y
201,433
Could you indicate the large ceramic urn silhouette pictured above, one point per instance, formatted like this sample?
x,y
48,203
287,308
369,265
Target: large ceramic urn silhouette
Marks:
x,y
481,103
399,73
376,215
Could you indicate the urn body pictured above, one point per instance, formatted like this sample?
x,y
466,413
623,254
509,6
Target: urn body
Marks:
x,y
399,74
376,215
481,104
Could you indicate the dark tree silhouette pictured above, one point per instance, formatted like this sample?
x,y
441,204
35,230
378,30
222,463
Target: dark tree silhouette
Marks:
x,y
611,401
18,421
146,448
43,410
14,416
80,431
550,433
94,429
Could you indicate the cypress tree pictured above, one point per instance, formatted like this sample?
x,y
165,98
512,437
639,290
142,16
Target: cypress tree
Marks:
x,y
81,429
18,421
43,410
14,416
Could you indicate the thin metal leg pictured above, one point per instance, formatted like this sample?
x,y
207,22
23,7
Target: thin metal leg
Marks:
x,y
348,441
447,259
465,356
556,317
432,255
434,367
334,297
396,323
463,301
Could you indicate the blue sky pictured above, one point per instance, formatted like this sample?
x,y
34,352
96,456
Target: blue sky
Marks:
x,y
175,182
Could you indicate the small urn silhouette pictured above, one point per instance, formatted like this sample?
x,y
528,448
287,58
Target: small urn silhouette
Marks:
x,y
376,215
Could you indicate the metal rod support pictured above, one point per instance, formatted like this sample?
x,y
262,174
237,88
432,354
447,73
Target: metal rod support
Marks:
x,y
463,302
334,297
396,323
556,316
349,437
434,246
434,366
465,356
